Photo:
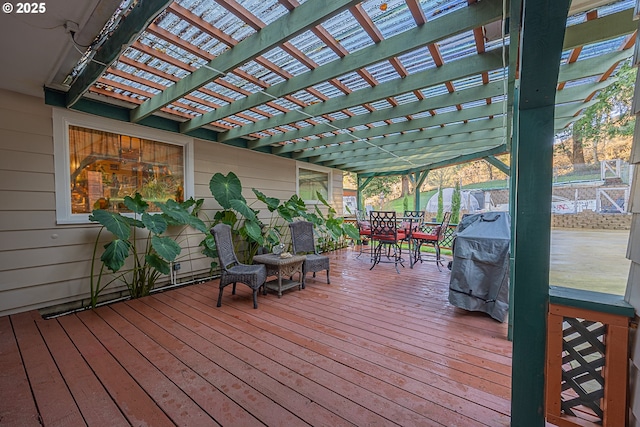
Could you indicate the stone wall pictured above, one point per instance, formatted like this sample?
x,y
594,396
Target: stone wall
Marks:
x,y
588,219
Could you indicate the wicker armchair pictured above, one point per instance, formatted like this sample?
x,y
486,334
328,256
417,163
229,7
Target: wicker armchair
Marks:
x,y
303,242
233,271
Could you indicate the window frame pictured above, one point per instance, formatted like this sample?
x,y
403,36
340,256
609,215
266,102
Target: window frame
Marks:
x,y
62,119
320,169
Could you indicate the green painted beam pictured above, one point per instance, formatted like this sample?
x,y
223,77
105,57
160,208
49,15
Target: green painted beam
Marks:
x,y
447,26
130,27
498,164
422,161
444,149
415,138
361,186
601,29
592,66
297,21
543,29
440,101
442,164
562,123
375,160
405,148
431,126
580,92
420,178
570,110
454,70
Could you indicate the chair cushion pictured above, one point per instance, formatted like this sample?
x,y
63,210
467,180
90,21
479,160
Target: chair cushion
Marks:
x,y
421,235
390,237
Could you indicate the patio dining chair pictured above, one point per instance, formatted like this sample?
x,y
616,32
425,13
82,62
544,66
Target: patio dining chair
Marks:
x,y
386,238
430,237
364,229
303,243
234,271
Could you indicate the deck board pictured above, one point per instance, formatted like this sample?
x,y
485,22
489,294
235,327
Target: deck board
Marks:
x,y
373,348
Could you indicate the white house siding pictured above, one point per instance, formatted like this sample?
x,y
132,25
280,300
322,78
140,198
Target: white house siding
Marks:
x,y
47,266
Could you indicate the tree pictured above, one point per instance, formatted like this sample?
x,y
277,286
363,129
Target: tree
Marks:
x,y
405,186
610,116
380,185
440,213
455,204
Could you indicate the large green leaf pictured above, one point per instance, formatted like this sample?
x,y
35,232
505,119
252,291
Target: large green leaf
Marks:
x,y
351,231
226,217
158,263
209,246
181,216
117,224
226,188
241,207
253,230
271,202
155,223
133,222
136,204
115,253
286,213
166,247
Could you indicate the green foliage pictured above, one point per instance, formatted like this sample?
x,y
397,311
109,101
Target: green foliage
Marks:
x,y
440,213
151,253
405,203
612,114
455,204
251,233
381,184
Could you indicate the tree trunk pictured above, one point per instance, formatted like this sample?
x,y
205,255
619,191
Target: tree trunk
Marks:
x,y
490,169
577,157
405,186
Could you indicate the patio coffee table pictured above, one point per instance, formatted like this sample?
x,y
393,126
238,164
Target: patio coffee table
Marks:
x,y
282,268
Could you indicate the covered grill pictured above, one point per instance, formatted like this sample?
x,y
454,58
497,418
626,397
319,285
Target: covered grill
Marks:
x,y
480,267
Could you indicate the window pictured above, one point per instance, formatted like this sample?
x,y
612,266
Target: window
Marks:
x,y
311,182
99,163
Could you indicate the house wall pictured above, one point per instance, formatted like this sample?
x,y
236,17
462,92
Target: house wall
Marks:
x,y
44,265
633,284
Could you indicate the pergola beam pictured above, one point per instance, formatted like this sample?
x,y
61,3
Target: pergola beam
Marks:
x,y
408,142
437,165
462,20
498,164
440,101
128,30
456,143
415,138
287,27
601,29
459,69
593,66
424,160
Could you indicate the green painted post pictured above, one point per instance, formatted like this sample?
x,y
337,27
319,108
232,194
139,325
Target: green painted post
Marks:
x,y
544,23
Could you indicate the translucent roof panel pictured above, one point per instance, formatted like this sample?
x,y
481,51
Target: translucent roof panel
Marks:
x,y
195,36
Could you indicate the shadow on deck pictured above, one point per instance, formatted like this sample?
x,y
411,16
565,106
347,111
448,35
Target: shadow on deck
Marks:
x,y
373,348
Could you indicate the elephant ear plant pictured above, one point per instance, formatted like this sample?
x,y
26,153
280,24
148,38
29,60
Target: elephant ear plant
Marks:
x,y
151,251
243,220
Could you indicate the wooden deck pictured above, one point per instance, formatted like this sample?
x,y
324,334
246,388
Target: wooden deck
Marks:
x,y
373,348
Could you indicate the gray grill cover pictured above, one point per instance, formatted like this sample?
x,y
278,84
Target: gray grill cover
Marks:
x,y
480,267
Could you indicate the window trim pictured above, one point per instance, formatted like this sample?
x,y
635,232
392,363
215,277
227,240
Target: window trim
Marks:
x,y
315,168
61,121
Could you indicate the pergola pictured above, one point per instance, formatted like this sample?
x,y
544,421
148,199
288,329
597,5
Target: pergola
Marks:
x,y
375,88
